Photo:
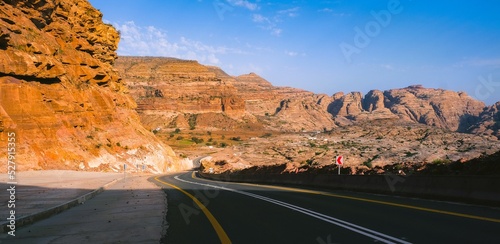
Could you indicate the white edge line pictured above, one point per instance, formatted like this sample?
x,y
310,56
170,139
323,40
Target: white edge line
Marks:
x,y
341,223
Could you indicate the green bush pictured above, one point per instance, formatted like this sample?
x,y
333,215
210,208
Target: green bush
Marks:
x,y
368,164
197,140
236,138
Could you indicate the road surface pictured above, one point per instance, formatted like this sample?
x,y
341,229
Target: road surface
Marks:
x,y
203,211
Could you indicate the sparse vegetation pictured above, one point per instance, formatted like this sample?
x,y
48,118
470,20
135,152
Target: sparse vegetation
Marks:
x,y
197,140
192,121
410,154
266,135
441,161
368,163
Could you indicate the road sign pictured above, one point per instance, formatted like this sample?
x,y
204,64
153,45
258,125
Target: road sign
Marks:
x,y
339,160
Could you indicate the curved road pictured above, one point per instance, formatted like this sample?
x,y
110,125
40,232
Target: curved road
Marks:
x,y
203,211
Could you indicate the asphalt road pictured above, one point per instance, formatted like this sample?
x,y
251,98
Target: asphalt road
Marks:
x,y
246,213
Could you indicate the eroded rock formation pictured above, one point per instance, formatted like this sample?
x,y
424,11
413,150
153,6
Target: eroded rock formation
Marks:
x,y
170,91
489,121
62,97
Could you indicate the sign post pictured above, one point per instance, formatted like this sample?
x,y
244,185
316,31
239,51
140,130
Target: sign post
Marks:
x,y
339,161
124,170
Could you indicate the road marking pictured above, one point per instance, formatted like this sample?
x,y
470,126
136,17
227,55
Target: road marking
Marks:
x,y
371,201
341,223
215,224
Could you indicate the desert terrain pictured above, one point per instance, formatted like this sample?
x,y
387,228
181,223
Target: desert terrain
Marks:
x,y
73,104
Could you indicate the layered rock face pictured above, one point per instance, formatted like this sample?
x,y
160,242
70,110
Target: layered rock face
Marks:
x,y
454,111
168,91
284,108
489,122
61,96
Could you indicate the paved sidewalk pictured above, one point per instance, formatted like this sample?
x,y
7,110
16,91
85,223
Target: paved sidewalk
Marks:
x,y
132,210
37,191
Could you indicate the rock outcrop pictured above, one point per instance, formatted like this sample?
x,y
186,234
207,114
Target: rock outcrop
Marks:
x,y
489,122
169,92
173,93
284,108
454,111
61,96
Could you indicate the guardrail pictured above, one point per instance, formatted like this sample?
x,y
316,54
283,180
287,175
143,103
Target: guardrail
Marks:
x,y
483,190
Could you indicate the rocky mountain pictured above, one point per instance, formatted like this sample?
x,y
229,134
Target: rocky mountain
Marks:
x,y
61,96
284,108
454,111
179,93
169,92
173,93
489,121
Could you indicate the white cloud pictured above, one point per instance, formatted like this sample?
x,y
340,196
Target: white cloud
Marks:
x,y
387,66
291,12
258,18
480,62
151,41
271,24
291,54
341,14
326,10
243,3
266,24
276,32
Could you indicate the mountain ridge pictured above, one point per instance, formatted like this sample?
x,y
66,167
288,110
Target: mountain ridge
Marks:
x,y
292,109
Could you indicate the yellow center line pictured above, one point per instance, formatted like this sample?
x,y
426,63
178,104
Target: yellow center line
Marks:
x,y
370,201
218,228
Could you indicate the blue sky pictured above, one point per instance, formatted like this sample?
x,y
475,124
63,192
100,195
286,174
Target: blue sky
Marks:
x,y
324,46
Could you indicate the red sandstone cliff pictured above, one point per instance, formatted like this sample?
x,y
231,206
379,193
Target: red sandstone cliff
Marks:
x,y
62,97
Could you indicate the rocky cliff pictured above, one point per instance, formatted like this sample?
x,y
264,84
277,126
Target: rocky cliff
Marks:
x,y
173,93
169,92
284,108
62,97
454,111
489,122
